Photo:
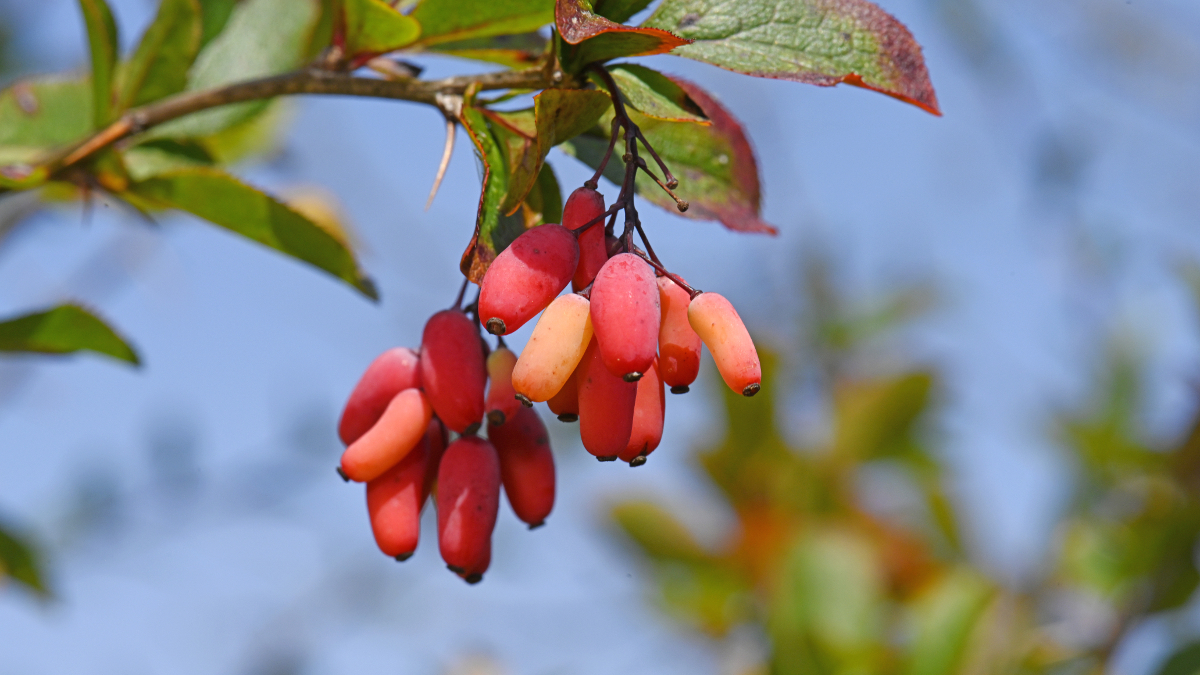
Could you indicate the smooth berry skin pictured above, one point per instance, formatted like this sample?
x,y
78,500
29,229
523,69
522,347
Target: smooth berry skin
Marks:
x,y
468,497
453,373
397,433
502,401
606,405
526,465
678,344
526,277
582,207
565,403
389,374
649,410
626,314
555,348
717,323
395,499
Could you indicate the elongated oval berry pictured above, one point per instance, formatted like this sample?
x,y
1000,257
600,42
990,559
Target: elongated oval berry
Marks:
x,y
606,405
395,499
565,403
648,412
678,344
717,323
625,315
583,206
501,401
526,465
389,374
526,276
555,348
452,369
397,432
468,497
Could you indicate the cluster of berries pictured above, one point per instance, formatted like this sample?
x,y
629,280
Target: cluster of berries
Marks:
x,y
601,355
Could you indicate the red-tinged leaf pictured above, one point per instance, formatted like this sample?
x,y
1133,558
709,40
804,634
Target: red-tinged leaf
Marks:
x,y
822,42
592,38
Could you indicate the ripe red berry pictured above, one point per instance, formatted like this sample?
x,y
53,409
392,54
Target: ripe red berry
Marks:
x,y
717,323
555,348
396,498
468,496
502,401
626,315
526,276
648,412
526,465
678,344
606,405
397,432
565,403
584,205
452,369
389,374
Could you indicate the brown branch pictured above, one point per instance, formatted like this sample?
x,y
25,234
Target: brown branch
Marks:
x,y
308,81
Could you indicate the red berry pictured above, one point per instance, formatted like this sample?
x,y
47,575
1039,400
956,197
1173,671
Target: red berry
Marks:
x,y
648,412
584,205
719,326
435,439
526,276
391,373
395,499
565,403
502,400
605,407
678,344
397,432
526,465
555,348
452,369
468,497
626,314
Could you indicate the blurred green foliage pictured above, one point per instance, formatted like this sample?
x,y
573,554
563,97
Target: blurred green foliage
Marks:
x,y
837,587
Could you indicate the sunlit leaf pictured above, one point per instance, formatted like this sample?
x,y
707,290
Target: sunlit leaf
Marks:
x,y
160,65
657,533
875,419
63,330
715,165
521,50
822,42
20,562
590,37
450,20
373,27
103,45
653,94
944,618
163,155
223,200
39,114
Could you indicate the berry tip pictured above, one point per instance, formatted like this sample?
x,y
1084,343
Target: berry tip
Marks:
x,y
632,377
404,556
496,418
473,578
535,526
342,474
751,389
680,389
525,401
637,461
568,418
495,326
607,458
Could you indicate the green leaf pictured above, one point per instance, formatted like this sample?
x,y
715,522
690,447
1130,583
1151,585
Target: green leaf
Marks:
x,y
653,94
449,20
822,42
945,617
591,38
657,533
512,51
545,199
36,115
373,27
875,419
160,65
214,15
222,199
263,37
716,168
619,10
1185,661
63,330
163,155
103,45
20,562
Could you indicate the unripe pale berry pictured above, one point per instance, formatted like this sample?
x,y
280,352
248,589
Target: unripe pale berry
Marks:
x,y
452,369
501,402
584,205
526,276
397,432
468,497
389,374
526,465
606,404
717,323
395,499
678,344
648,412
626,315
565,403
559,339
